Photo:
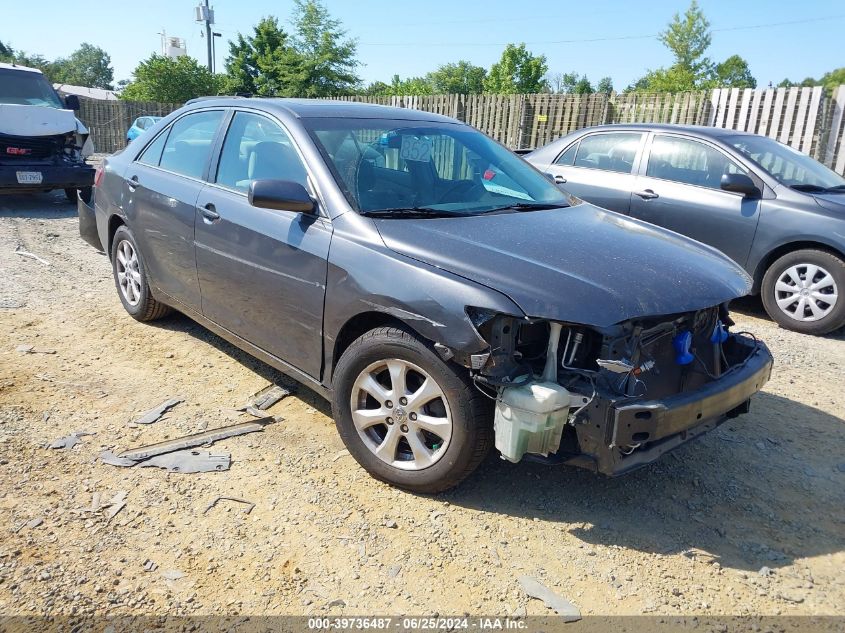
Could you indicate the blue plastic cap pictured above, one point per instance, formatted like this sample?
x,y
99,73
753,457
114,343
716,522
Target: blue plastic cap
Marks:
x,y
682,343
720,333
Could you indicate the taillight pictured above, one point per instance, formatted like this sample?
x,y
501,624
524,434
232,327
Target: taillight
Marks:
x,y
489,174
98,175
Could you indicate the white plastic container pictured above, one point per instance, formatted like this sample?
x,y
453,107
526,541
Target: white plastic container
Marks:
x,y
530,419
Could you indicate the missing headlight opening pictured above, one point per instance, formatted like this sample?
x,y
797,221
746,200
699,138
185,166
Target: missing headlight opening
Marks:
x,y
612,398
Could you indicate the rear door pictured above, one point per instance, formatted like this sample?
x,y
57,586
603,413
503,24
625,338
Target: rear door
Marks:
x,y
262,272
679,188
162,186
600,167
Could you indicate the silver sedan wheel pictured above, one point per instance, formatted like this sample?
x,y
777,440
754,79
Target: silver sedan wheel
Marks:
x,y
806,292
128,272
401,414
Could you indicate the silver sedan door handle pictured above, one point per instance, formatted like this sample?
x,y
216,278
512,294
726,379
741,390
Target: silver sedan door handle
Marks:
x,y
132,183
648,194
560,180
209,213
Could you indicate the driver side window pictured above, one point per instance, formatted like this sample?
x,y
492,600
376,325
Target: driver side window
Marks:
x,y
258,148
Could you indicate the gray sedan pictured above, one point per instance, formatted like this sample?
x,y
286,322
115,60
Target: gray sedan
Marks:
x,y
441,291
775,211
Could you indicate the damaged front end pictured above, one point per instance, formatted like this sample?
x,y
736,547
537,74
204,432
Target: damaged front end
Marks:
x,y
615,398
41,149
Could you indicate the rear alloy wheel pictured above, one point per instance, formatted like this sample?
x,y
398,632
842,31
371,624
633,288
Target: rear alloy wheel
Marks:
x,y
130,278
406,416
802,291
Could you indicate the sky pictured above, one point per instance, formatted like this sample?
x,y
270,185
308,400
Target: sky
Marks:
x,y
598,38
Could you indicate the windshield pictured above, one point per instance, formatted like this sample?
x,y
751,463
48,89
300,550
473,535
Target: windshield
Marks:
x,y
388,166
23,87
789,166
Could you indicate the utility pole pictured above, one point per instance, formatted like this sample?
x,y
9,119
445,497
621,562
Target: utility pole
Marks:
x,y
206,15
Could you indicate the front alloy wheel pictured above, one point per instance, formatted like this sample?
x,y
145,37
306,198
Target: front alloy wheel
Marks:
x,y
407,416
401,414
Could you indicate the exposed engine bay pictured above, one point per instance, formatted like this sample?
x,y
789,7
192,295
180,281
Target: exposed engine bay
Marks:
x,y
611,399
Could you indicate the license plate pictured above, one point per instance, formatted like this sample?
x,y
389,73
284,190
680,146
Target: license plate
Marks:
x,y
29,177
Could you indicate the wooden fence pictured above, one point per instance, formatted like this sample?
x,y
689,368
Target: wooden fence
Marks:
x,y
805,118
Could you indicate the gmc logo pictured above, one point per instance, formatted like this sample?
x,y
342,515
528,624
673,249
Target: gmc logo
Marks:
x,y
18,151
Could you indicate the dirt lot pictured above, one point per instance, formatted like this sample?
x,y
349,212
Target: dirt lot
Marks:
x,y
748,520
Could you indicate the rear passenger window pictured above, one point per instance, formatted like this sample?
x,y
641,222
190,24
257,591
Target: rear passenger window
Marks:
x,y
568,157
188,145
609,152
689,162
257,148
152,153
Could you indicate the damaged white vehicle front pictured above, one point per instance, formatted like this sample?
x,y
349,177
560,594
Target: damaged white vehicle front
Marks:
x,y
43,146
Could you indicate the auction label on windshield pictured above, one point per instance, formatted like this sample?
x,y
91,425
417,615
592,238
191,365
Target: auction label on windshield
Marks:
x,y
29,177
417,149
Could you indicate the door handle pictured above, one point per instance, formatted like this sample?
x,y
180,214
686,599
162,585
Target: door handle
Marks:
x,y
209,213
648,194
560,180
132,183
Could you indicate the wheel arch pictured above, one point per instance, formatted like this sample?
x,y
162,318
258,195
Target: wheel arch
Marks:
x,y
115,222
359,324
784,249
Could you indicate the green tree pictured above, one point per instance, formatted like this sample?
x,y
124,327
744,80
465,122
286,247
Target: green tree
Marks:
x,y
733,73
264,63
688,37
328,57
88,66
517,72
6,51
605,85
458,78
830,80
164,79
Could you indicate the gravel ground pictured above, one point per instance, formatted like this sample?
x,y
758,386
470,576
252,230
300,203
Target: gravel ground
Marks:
x,y
748,520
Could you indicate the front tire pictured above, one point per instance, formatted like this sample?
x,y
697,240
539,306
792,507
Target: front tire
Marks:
x,y
803,291
410,419
130,278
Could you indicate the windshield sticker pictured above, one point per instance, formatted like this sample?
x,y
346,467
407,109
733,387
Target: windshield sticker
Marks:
x,y
416,149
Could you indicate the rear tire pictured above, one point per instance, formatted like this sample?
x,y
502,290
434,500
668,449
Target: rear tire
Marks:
x,y
425,456
130,278
804,291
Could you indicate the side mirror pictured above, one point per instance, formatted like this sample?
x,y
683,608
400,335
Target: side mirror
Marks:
x,y
72,102
740,183
282,195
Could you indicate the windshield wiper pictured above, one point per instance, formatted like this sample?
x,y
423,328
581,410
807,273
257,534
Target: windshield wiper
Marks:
x,y
529,206
818,188
409,212
836,189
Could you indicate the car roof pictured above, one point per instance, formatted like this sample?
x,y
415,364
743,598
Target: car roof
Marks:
x,y
16,67
700,130
323,108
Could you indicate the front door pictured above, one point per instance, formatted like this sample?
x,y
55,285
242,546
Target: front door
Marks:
x,y
161,195
262,272
600,168
680,189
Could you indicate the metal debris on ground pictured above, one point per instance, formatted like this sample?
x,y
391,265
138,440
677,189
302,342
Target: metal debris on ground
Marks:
x,y
195,440
116,504
69,441
564,608
31,349
107,457
267,397
154,414
150,565
190,461
257,413
20,251
34,523
214,501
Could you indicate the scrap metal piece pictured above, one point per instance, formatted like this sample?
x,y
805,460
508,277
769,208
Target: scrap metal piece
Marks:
x,y
154,414
197,439
20,251
214,501
70,441
268,396
107,457
190,461
564,608
31,349
116,504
